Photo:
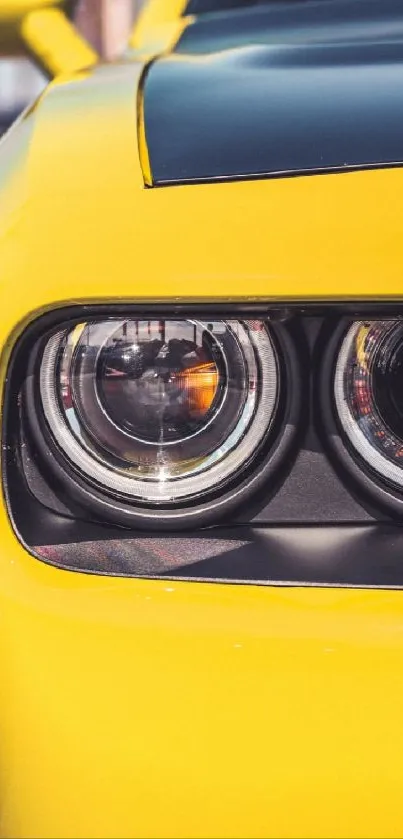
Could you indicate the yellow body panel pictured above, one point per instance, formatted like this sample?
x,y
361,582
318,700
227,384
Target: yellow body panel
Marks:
x,y
134,708
83,226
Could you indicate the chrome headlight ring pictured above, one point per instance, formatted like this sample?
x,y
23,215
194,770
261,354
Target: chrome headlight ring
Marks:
x,y
230,399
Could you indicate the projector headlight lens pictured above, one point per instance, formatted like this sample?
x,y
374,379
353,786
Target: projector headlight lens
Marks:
x,y
163,410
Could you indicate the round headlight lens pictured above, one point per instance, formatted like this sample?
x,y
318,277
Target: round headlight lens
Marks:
x,y
368,390
160,410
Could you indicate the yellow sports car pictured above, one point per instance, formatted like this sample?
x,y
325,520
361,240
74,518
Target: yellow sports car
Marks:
x,y
201,544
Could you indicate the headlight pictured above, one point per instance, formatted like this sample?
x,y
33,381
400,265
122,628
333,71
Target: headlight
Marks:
x,y
368,389
284,432
159,413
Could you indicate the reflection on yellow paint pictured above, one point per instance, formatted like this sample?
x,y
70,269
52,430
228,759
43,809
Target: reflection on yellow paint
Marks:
x,y
360,345
76,334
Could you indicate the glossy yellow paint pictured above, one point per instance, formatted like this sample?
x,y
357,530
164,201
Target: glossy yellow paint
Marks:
x,y
144,157
134,708
148,709
81,236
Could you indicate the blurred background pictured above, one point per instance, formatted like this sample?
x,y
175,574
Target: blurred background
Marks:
x,y
105,23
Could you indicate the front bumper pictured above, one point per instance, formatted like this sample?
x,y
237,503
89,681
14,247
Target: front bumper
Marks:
x,y
145,708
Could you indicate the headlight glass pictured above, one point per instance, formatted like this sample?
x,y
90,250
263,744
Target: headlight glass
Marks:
x,y
368,392
160,410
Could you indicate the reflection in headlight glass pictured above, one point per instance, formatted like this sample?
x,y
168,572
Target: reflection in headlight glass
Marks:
x,y
160,409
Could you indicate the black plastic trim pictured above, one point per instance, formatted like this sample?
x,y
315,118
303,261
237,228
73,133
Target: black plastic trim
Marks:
x,y
277,174
368,556
362,552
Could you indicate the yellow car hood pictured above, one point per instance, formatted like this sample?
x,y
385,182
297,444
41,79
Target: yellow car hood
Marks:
x,y
77,221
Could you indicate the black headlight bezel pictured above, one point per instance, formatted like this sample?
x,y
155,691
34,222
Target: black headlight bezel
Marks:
x,y
276,454
323,521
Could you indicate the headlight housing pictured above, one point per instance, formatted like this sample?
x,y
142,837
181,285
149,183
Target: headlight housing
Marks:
x,y
170,419
263,421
